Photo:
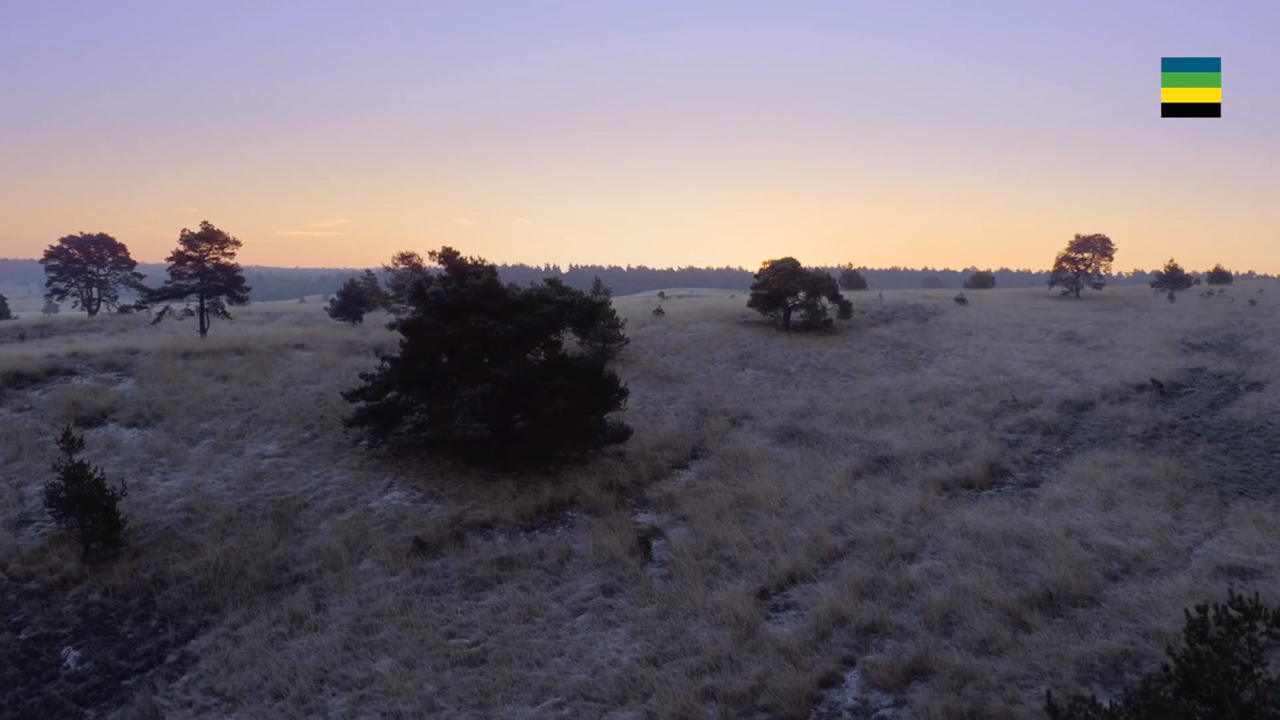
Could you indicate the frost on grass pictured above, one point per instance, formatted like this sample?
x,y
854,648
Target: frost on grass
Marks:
x,y
848,476
853,699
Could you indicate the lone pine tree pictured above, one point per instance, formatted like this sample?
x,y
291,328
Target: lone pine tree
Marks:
x,y
784,289
1084,263
202,270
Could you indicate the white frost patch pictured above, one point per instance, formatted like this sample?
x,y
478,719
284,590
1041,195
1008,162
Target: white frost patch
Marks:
x,y
70,658
852,699
269,450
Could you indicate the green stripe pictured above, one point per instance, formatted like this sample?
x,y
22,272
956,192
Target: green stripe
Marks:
x,y
1191,80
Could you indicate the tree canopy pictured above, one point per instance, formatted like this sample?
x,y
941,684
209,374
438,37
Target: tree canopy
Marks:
x,y
1084,263
980,280
1172,278
1220,276
851,279
356,298
91,269
784,288
486,371
202,270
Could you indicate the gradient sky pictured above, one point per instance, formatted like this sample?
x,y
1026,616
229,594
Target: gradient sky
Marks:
x,y
663,133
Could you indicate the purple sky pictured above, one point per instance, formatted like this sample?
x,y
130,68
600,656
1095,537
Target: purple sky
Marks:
x,y
664,133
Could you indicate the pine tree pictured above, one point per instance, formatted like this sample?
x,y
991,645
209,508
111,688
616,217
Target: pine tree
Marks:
x,y
80,499
484,372
203,269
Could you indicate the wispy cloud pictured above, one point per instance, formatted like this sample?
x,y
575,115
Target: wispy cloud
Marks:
x,y
330,223
187,210
309,233
462,221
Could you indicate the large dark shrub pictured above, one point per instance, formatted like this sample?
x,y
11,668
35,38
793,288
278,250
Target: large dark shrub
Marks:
x,y
80,500
5,312
851,279
1222,670
496,373
1220,276
1172,278
356,298
980,280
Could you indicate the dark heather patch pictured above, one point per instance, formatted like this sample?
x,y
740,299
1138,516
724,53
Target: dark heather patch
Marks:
x,y
901,312
1240,456
81,653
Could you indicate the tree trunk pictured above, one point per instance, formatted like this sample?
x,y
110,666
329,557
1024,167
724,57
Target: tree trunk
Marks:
x,y
204,319
92,304
786,318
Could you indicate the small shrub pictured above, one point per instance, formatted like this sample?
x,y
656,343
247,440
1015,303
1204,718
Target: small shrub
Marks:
x,y
80,499
662,295
5,313
960,299
302,299
1223,670
659,311
51,308
1252,301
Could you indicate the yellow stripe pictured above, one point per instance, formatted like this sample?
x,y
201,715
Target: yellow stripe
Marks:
x,y
1191,95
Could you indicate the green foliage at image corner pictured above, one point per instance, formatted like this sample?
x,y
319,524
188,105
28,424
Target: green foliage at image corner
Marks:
x,y
1222,670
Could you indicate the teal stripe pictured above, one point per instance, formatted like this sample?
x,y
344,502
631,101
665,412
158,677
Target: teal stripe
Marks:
x,y
1191,65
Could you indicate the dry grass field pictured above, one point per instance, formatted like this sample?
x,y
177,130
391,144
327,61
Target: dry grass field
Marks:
x,y
937,512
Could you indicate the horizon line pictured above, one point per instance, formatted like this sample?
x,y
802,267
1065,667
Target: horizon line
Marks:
x,y
564,268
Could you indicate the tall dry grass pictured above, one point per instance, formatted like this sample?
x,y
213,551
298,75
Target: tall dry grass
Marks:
x,y
967,510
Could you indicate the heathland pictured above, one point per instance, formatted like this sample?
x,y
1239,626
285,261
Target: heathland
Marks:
x,y
936,511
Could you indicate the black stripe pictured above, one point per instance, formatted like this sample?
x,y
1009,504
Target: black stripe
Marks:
x,y
1191,110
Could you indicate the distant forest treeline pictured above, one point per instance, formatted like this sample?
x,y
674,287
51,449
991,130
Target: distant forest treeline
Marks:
x,y
292,283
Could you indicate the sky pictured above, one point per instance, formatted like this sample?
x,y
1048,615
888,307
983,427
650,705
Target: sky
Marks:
x,y
709,133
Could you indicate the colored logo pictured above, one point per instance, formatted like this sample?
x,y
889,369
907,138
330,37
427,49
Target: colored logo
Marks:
x,y
1191,87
